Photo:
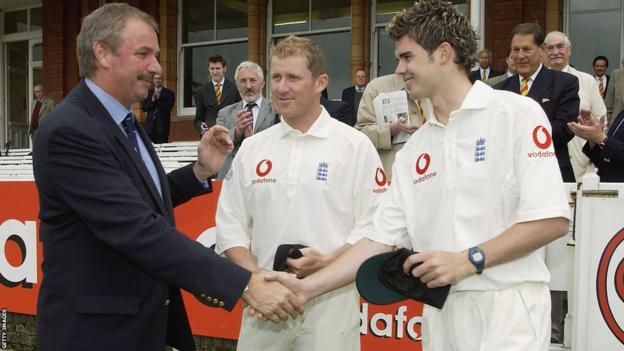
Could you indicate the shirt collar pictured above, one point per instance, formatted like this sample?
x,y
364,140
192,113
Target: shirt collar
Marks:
x,y
478,96
214,82
320,128
257,102
117,111
532,77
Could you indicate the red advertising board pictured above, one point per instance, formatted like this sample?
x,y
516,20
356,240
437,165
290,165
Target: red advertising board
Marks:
x,y
388,327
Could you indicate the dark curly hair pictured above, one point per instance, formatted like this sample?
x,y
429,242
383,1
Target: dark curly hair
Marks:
x,y
432,22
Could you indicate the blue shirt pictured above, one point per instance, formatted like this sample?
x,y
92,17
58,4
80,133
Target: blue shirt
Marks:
x,y
118,112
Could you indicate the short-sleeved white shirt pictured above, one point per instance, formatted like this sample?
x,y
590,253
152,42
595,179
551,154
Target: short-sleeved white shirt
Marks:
x,y
319,189
456,186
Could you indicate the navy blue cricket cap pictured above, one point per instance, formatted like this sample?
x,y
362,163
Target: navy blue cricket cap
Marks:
x,y
284,252
381,280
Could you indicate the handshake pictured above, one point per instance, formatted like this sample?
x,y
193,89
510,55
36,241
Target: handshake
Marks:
x,y
275,295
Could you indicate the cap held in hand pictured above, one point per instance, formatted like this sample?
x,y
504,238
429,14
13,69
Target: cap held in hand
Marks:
x,y
382,281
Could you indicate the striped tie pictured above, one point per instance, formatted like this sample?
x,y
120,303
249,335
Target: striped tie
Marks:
x,y
128,124
601,88
524,87
484,76
218,93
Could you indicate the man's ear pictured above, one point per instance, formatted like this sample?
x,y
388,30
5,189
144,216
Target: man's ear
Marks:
x,y
321,82
444,53
102,54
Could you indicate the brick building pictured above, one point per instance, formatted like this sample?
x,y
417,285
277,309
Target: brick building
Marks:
x,y
37,41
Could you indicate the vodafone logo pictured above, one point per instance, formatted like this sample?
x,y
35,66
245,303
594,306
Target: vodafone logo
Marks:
x,y
610,284
422,163
264,167
541,137
380,177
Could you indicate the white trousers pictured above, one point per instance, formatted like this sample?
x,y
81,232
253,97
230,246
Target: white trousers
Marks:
x,y
511,319
330,322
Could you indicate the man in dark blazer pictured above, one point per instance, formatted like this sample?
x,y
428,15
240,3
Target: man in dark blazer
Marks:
x,y
339,110
485,71
600,65
215,95
606,151
158,105
253,115
353,94
113,262
555,91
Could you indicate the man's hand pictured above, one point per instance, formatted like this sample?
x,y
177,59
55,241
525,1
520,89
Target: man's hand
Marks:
x,y
589,127
289,280
213,147
244,122
401,125
439,268
271,299
311,262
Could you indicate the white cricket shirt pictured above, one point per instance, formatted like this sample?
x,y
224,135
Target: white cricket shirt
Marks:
x,y
456,186
318,189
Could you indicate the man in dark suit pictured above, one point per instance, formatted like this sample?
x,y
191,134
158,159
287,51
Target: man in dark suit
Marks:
x,y
600,64
485,70
158,105
215,95
113,261
555,91
353,94
253,115
606,151
339,110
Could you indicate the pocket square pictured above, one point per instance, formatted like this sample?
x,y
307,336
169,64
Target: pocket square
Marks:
x,y
545,100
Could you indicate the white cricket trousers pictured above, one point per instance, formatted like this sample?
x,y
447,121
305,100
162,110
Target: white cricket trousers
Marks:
x,y
331,322
516,318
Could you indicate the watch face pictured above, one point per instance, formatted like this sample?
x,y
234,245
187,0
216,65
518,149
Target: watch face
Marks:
x,y
477,256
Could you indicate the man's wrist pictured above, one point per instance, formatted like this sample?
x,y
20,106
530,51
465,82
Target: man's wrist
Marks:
x,y
603,142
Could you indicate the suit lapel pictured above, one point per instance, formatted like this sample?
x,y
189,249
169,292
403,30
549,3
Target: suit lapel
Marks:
x,y
264,113
162,176
96,110
540,86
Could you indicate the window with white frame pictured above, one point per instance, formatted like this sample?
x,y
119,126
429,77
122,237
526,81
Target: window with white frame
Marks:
x,y
208,27
327,22
383,46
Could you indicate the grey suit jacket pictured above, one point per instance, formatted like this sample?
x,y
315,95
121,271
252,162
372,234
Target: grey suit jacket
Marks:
x,y
495,80
227,118
615,94
47,104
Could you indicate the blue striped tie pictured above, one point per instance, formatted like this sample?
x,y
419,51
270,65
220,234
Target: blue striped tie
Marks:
x,y
128,124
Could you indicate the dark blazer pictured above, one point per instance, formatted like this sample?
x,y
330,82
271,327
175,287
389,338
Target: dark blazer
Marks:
x,y
610,158
340,110
158,118
557,93
476,75
206,102
113,260
348,96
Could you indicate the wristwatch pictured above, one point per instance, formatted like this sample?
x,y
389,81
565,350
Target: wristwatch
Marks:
x,y
477,258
